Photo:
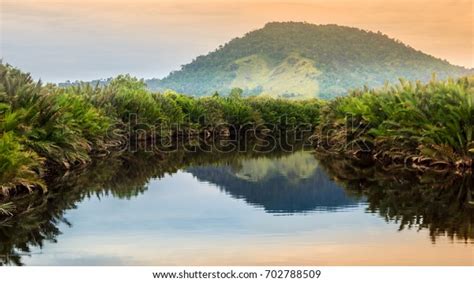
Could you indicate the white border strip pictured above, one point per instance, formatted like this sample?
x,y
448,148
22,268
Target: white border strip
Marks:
x,y
136,274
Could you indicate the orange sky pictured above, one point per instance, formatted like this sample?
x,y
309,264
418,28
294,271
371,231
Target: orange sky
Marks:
x,y
60,39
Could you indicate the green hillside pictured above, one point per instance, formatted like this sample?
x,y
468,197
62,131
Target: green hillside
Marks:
x,y
301,60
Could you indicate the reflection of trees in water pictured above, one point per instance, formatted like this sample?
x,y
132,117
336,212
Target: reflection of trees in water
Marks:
x,y
411,200
440,203
37,217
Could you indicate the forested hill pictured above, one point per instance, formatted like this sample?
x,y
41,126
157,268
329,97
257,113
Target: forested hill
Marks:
x,y
298,60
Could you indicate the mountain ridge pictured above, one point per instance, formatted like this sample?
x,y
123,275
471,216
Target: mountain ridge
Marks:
x,y
301,60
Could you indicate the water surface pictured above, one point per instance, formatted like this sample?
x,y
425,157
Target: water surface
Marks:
x,y
241,209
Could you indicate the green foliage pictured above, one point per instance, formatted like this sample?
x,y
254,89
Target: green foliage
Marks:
x,y
304,60
19,167
434,120
65,127
169,107
46,126
284,114
43,123
237,111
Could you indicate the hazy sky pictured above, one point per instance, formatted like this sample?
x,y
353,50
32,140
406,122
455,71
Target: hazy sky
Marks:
x,y
58,40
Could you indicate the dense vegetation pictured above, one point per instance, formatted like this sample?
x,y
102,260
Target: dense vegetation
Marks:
x,y
44,127
420,125
305,60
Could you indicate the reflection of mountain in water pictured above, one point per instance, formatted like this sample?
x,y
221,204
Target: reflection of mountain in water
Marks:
x,y
285,185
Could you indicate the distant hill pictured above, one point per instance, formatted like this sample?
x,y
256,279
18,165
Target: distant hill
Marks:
x,y
298,60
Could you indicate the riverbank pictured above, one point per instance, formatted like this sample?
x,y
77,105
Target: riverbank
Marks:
x,y
421,126
46,129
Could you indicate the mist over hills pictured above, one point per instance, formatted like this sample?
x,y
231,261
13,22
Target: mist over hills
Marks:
x,y
301,60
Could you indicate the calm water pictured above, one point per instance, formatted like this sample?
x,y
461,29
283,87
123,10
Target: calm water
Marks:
x,y
242,209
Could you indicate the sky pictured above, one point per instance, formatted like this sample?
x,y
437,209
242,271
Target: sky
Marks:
x,y
58,40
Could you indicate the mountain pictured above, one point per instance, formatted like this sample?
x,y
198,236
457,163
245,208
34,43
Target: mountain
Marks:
x,y
298,60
